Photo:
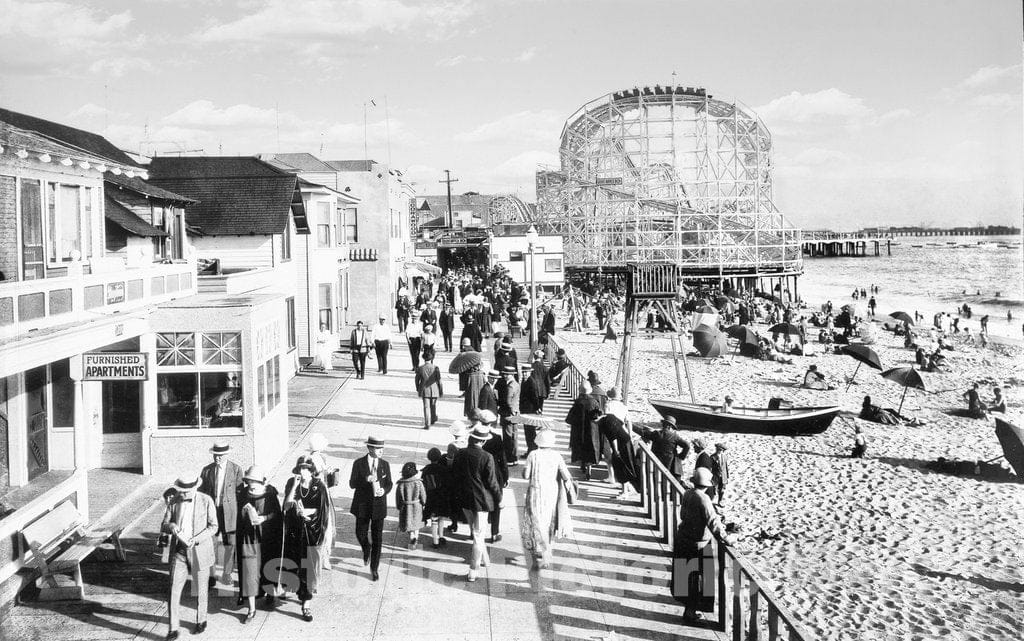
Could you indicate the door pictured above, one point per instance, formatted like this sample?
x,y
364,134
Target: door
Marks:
x,y
122,425
36,422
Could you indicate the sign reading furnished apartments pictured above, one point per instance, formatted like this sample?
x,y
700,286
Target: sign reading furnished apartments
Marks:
x,y
115,366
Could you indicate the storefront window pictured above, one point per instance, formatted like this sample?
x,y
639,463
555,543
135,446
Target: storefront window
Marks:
x,y
5,461
269,385
261,384
218,401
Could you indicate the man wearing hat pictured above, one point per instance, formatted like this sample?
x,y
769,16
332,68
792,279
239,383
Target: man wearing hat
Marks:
x,y
691,568
477,492
381,336
220,481
359,346
508,405
488,396
668,445
506,356
557,370
371,481
429,388
496,449
191,520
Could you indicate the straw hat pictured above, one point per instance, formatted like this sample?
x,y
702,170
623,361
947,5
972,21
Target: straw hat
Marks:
x,y
186,483
374,442
488,417
458,428
701,477
493,373
317,442
220,448
255,473
545,438
509,369
480,432
670,421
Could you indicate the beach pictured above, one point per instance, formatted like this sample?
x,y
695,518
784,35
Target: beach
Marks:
x,y
873,548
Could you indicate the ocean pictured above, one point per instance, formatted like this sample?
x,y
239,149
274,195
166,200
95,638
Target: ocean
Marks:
x,y
930,274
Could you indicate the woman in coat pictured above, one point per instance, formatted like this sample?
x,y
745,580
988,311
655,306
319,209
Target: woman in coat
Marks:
x,y
584,435
257,538
317,455
546,510
616,433
306,507
436,481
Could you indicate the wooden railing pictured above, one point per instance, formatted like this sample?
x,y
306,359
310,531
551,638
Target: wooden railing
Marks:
x,y
746,608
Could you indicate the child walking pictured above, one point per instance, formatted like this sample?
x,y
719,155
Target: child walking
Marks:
x,y
410,497
436,481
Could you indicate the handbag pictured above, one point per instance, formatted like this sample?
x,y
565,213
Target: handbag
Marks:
x,y
331,478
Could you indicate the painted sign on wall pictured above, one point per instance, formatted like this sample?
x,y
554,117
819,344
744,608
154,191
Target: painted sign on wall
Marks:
x,y
115,366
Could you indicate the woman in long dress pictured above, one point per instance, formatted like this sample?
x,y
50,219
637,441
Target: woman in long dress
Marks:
x,y
547,508
616,431
324,349
258,538
306,511
317,448
584,435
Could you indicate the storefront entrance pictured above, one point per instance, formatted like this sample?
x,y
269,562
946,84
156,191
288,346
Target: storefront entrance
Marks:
x,y
122,424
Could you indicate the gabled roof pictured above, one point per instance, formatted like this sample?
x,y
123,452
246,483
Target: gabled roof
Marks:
x,y
237,195
308,184
140,186
128,220
425,206
85,141
297,162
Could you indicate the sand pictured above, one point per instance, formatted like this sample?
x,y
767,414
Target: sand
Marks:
x,y
874,548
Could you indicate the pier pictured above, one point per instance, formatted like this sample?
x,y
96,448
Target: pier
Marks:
x,y
830,244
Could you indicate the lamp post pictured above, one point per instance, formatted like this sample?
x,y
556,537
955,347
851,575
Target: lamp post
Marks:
x,y
531,239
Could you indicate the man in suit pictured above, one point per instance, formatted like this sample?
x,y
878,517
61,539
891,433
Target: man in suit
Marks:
x,y
478,492
220,481
429,388
668,445
191,520
488,397
446,323
508,405
371,480
359,346
429,315
549,320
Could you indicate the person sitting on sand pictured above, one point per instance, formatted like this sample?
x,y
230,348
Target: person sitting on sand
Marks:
x,y
921,358
877,414
813,379
998,403
860,443
975,408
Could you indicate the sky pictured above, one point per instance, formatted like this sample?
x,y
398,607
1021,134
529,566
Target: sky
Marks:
x,y
882,112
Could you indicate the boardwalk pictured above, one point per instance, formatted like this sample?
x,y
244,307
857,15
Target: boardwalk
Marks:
x,y
608,581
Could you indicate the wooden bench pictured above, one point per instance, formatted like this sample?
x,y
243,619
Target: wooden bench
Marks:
x,y
48,537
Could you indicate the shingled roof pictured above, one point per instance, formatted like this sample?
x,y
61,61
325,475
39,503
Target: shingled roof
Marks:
x,y
85,141
298,162
238,195
128,220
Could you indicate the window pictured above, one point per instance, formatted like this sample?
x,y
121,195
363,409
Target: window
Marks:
x,y
222,348
351,225
5,461
64,217
552,264
62,394
286,241
339,230
270,388
289,312
199,399
176,228
37,455
515,256
324,297
32,252
176,349
323,224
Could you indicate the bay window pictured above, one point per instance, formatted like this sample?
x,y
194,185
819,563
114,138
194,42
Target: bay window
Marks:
x,y
323,224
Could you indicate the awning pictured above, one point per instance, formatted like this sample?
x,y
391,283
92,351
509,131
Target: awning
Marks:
x,y
421,268
128,220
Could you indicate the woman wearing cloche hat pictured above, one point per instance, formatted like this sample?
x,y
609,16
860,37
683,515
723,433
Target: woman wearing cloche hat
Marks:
x,y
258,539
305,528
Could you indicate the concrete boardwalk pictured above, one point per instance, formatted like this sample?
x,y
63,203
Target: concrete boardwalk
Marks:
x,y
609,581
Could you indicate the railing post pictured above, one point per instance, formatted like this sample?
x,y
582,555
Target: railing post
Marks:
x,y
754,630
666,507
722,600
737,602
773,622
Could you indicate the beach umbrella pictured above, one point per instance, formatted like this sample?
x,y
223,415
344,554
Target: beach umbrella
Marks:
x,y
907,377
902,316
785,328
743,335
463,362
1011,438
709,341
706,309
864,355
705,315
537,420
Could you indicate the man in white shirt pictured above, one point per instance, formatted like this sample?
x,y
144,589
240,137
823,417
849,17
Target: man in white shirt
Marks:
x,y
414,336
220,481
381,335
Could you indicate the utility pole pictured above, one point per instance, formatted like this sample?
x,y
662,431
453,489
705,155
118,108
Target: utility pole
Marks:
x,y
449,180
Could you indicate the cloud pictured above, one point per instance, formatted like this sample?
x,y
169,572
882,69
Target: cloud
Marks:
x,y
88,111
119,65
892,116
827,104
994,101
990,75
203,114
527,55
287,20
818,156
451,61
540,126
524,165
